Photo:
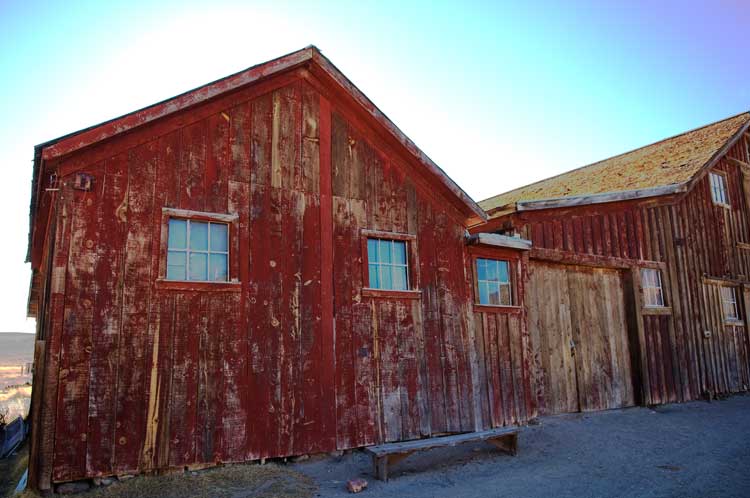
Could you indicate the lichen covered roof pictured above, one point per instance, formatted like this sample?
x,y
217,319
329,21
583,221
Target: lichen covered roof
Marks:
x,y
671,161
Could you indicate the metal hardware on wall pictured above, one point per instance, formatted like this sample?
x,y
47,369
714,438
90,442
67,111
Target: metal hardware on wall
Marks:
x,y
83,181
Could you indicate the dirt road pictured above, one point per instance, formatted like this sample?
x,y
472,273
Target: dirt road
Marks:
x,y
691,450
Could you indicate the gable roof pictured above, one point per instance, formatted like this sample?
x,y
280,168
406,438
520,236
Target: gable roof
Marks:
x,y
309,55
660,168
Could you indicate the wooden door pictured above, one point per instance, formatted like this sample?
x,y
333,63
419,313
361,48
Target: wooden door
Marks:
x,y
578,330
600,334
551,335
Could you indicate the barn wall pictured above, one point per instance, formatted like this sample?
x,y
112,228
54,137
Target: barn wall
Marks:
x,y
144,375
689,238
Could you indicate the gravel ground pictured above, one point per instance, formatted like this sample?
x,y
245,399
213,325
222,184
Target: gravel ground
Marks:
x,y
685,450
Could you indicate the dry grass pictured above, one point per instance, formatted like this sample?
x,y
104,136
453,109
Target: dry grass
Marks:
x,y
235,481
12,468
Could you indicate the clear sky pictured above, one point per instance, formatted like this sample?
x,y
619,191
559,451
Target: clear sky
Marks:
x,y
499,94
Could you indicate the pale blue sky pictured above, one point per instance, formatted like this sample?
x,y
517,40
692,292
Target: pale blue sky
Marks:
x,y
499,95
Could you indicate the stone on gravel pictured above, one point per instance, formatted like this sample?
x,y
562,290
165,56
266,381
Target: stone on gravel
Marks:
x,y
356,485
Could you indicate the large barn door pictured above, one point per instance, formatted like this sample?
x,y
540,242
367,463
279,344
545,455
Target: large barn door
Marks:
x,y
550,328
601,339
579,335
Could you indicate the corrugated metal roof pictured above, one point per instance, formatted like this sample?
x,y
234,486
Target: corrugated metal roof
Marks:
x,y
667,162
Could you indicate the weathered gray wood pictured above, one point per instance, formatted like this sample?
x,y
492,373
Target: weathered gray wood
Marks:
x,y
437,442
497,240
505,439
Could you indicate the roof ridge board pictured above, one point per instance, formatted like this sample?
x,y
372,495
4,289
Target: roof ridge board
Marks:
x,y
615,156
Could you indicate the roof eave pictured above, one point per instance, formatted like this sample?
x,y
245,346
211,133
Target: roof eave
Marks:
x,y
602,198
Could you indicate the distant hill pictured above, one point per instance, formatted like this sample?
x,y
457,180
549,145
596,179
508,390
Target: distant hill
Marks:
x,y
16,348
16,353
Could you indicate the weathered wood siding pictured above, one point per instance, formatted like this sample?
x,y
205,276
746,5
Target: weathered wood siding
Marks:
x,y
144,375
689,238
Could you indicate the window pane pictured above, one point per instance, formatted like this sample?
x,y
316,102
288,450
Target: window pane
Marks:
x,y
646,278
727,293
651,296
198,266
505,298
494,289
399,252
491,270
374,277
658,297
384,251
484,296
177,233
217,269
386,282
481,269
503,271
372,250
218,237
727,310
198,236
399,278
176,268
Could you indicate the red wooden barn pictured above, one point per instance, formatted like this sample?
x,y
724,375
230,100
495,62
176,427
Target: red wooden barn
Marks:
x,y
264,266
639,279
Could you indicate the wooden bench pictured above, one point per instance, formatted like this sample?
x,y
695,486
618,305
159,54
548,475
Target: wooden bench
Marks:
x,y
504,438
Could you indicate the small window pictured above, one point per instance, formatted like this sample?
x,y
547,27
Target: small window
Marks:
x,y
729,304
493,282
653,295
719,188
197,251
388,268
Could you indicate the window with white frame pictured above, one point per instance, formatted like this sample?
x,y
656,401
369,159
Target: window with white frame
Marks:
x,y
494,282
388,266
729,303
197,251
719,192
653,293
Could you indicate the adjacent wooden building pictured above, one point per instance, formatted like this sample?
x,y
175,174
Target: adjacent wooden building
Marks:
x,y
639,276
261,267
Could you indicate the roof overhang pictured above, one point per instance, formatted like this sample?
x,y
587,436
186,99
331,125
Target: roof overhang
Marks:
x,y
497,240
603,198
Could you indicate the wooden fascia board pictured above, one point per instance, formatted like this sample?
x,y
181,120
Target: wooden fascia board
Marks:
x,y
472,208
585,200
183,101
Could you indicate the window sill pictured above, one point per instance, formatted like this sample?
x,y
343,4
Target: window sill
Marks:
x,y
722,205
735,323
391,294
656,310
182,285
496,308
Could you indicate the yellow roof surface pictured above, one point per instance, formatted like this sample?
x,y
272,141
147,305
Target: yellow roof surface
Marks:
x,y
671,161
